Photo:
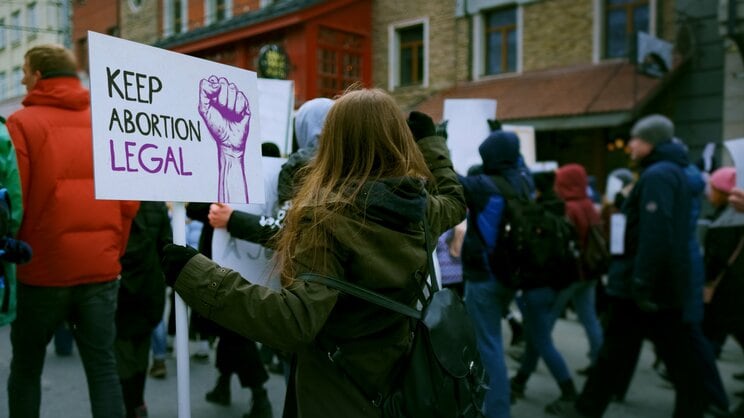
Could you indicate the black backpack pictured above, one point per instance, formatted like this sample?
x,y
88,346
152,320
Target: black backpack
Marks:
x,y
595,256
442,375
530,242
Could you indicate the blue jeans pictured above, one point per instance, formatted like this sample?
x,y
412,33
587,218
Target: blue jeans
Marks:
x,y
486,303
41,310
159,341
537,310
583,295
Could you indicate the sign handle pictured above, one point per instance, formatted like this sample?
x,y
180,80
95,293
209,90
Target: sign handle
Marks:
x,y
182,324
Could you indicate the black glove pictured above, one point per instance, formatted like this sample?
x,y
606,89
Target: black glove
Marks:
x,y
15,251
421,125
175,258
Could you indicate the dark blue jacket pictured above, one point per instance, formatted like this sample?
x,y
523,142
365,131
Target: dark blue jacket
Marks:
x,y
500,154
694,302
655,265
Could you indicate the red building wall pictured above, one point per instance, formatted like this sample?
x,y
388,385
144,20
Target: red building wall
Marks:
x,y
298,35
97,15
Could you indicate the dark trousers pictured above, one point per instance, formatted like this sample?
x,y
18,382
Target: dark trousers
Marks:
x,y
239,355
41,310
626,328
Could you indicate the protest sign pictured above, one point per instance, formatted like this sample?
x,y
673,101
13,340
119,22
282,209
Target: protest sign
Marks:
x,y
251,260
277,106
736,150
167,126
526,136
466,129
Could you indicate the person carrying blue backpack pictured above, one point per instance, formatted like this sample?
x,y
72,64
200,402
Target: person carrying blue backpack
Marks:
x,y
487,296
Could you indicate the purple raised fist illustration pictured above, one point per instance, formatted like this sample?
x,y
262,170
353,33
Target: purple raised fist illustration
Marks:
x,y
227,114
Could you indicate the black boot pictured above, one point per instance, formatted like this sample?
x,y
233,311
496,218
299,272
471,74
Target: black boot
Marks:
x,y
517,384
260,405
221,392
566,401
133,390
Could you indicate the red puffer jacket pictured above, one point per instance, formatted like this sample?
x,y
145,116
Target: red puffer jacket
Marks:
x,y
75,238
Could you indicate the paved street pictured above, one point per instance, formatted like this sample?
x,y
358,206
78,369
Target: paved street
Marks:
x,y
65,392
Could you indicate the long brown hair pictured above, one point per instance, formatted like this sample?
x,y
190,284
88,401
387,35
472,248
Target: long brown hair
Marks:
x,y
365,138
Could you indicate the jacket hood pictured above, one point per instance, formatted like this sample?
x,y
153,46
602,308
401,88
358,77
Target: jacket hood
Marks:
x,y
571,182
61,92
666,151
309,121
500,152
395,202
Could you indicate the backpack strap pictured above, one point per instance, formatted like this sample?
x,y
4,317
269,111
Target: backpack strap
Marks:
x,y
349,288
507,190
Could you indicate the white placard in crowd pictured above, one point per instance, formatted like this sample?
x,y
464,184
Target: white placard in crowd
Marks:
x,y
251,260
526,136
170,127
277,106
466,129
736,149
618,222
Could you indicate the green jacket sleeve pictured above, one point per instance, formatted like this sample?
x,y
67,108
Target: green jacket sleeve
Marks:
x,y
11,179
446,206
288,319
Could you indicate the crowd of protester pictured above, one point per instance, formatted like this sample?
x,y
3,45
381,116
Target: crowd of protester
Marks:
x,y
354,197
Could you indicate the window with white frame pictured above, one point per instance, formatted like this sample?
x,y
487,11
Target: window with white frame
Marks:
x,y
175,16
500,41
15,33
621,20
3,85
497,41
409,54
217,10
31,20
17,87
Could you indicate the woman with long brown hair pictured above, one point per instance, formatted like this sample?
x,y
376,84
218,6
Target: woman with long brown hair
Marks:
x,y
357,215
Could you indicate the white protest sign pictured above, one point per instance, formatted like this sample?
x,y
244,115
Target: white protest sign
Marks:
x,y
736,149
277,105
170,127
466,129
526,136
251,260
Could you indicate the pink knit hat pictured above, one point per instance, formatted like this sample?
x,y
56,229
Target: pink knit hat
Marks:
x,y
723,179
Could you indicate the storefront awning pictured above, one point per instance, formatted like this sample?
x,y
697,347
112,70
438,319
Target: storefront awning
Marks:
x,y
587,96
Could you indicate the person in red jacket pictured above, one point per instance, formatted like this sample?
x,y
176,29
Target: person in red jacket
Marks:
x,y
77,240
571,184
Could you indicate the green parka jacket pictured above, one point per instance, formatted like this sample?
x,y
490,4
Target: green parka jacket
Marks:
x,y
11,180
381,249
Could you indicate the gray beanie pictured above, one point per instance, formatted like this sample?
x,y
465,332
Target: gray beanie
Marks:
x,y
653,129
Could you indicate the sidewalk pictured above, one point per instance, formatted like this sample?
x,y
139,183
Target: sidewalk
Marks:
x,y
64,391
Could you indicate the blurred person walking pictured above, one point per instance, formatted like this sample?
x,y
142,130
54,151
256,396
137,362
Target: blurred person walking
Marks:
x,y
77,239
141,301
649,282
